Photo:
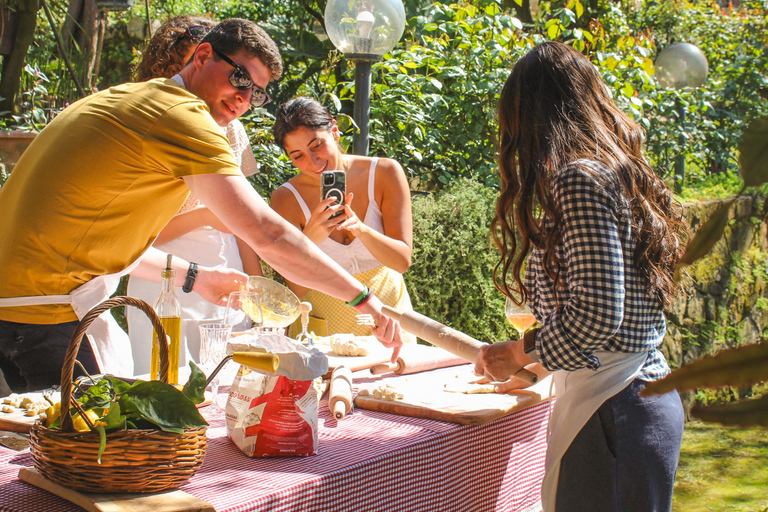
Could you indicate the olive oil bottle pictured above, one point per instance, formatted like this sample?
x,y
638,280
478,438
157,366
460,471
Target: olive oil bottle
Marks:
x,y
168,309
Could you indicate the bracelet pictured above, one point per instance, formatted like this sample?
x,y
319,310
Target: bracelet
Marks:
x,y
370,295
361,299
189,282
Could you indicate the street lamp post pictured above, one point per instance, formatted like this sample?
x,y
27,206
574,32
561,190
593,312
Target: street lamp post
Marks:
x,y
364,30
679,66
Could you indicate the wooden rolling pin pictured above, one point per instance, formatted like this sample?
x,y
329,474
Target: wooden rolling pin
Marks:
x,y
418,358
340,396
260,360
455,342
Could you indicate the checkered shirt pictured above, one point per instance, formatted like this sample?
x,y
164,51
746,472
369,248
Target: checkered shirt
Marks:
x,y
603,303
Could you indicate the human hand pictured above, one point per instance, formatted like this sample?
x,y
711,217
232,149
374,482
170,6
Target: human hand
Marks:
x,y
320,224
215,284
386,330
499,361
513,383
353,224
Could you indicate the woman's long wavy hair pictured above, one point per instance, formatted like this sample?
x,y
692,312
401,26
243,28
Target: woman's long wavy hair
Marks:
x,y
170,47
555,109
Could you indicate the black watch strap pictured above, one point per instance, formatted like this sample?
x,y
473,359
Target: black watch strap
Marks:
x,y
189,282
529,344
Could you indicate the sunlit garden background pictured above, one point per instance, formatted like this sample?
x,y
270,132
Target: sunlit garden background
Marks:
x,y
433,109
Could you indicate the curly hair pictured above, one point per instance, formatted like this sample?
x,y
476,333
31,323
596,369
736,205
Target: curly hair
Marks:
x,y
170,47
554,109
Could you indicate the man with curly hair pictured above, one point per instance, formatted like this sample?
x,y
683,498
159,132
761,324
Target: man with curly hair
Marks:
x,y
91,193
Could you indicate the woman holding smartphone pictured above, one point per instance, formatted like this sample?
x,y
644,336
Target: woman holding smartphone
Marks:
x,y
370,235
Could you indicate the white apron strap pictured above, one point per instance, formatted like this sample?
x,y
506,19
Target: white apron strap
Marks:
x,y
39,300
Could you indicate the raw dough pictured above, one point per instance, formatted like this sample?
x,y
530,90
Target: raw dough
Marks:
x,y
383,392
347,345
459,385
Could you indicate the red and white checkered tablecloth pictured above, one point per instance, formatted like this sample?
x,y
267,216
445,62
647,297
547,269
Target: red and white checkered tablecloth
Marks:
x,y
369,461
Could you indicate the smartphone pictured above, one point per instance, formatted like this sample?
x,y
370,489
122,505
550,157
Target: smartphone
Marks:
x,y
333,184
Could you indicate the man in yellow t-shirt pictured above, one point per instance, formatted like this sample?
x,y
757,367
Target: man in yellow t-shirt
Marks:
x,y
99,182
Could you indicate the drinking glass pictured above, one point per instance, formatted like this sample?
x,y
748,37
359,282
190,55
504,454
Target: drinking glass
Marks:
x,y
243,311
213,349
520,317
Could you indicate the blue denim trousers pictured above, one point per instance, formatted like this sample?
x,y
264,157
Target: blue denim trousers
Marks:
x,y
32,355
625,458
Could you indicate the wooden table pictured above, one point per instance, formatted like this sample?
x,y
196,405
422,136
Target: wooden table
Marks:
x,y
368,461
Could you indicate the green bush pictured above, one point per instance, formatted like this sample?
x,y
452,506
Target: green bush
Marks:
x,y
453,258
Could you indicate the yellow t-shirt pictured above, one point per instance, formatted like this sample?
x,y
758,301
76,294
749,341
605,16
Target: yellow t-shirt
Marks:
x,y
97,185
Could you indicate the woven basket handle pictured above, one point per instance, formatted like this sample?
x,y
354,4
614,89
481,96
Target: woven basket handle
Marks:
x,y
77,337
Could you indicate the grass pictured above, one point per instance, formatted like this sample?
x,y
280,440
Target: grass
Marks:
x,y
722,469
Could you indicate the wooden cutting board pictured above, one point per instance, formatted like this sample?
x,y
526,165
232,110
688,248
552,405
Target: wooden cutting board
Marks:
x,y
377,354
425,396
17,421
166,501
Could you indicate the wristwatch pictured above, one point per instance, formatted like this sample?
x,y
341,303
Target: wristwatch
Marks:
x,y
529,344
189,282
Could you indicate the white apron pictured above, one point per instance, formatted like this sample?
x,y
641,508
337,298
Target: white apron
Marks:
x,y
206,247
109,342
580,394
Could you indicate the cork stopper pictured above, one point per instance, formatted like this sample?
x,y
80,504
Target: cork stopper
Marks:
x,y
305,308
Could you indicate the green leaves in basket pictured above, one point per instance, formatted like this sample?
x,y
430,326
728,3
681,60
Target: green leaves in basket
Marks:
x,y
102,441
162,405
194,389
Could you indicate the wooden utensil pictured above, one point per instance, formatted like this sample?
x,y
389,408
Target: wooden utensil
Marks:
x,y
418,358
340,399
165,501
455,342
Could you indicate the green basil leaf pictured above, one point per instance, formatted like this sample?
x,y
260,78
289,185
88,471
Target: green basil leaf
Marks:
x,y
102,441
161,404
114,420
194,389
119,385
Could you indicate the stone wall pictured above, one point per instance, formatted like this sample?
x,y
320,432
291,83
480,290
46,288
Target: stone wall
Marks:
x,y
725,298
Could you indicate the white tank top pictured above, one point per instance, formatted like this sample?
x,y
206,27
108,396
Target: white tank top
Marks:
x,y
355,257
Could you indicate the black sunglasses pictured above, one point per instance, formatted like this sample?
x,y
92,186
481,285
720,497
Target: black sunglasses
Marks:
x,y
196,31
241,80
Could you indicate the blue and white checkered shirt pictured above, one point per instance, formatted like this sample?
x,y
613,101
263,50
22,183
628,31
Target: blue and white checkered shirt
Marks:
x,y
603,303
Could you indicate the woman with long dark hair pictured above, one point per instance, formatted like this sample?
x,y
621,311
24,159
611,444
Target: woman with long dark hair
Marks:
x,y
589,237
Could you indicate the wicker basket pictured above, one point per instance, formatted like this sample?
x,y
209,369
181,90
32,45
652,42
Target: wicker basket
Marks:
x,y
134,460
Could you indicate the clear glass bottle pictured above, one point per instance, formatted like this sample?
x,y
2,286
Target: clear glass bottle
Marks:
x,y
168,309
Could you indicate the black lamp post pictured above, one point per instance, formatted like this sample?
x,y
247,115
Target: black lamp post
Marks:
x,y
679,66
364,30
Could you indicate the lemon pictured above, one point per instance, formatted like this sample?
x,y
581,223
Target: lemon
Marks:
x,y
80,424
52,414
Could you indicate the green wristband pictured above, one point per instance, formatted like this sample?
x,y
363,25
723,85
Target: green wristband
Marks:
x,y
360,298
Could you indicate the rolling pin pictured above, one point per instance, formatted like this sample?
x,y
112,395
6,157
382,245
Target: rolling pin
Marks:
x,y
340,396
261,361
418,358
455,342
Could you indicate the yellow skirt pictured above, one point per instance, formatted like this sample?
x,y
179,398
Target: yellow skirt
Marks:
x,y
332,316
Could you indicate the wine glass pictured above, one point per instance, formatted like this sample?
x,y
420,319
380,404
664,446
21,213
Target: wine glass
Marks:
x,y
520,317
243,311
213,349
242,315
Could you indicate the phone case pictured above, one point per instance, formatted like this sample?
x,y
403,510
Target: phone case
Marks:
x,y
333,184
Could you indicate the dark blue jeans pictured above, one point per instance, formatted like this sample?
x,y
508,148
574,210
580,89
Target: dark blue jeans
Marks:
x,y
32,355
625,458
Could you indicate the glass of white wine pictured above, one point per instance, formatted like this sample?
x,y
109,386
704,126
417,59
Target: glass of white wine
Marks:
x,y
520,317
243,311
